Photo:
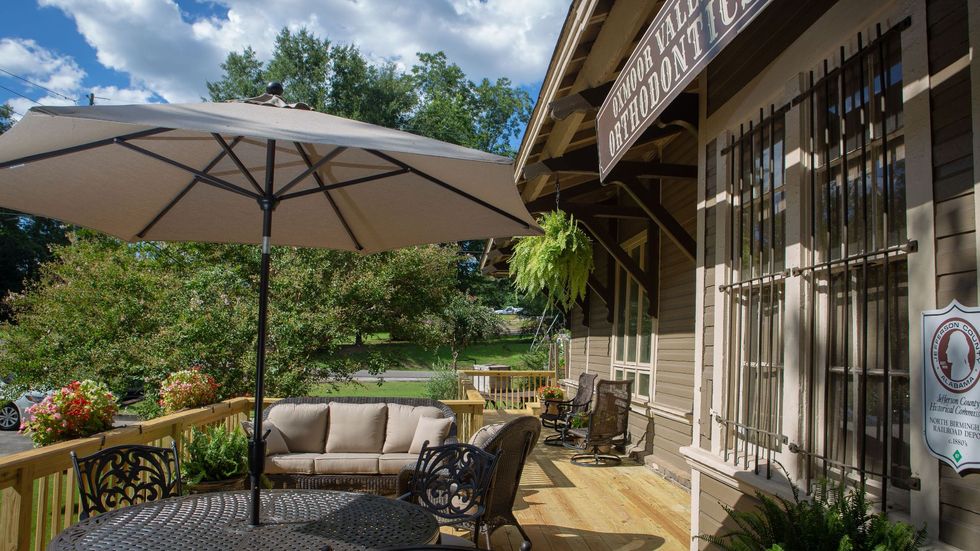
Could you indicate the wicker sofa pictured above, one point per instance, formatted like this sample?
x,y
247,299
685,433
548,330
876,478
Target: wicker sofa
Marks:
x,y
350,443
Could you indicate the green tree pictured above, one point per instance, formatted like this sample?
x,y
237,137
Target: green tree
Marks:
x,y
464,321
244,77
6,120
301,62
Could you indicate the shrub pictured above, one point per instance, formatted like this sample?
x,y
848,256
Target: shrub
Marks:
x,y
443,385
147,408
80,409
836,519
215,453
188,389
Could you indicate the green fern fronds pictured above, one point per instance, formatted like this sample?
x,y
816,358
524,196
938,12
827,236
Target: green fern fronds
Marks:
x,y
557,263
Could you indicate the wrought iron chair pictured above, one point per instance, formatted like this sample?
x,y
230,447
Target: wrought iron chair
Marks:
x,y
452,482
608,424
513,442
562,411
126,475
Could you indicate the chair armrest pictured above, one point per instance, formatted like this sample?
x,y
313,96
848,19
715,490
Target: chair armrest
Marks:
x,y
404,480
553,401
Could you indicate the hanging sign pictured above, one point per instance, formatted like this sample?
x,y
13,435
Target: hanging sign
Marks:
x,y
685,36
951,395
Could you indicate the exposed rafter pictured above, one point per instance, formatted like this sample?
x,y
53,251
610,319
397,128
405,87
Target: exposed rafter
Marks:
x,y
656,211
586,161
582,102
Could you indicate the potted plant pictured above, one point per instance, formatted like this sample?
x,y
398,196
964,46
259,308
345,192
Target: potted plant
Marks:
x,y
551,392
80,409
216,459
557,263
188,388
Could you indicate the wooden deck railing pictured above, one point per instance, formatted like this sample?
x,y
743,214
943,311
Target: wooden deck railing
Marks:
x,y
505,389
38,493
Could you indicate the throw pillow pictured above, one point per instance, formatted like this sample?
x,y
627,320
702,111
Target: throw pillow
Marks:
x,y
274,442
481,437
402,422
433,430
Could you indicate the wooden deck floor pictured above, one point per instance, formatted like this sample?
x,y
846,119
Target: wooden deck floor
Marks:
x,y
564,506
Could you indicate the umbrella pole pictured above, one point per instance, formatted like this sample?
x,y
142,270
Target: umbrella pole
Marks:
x,y
257,444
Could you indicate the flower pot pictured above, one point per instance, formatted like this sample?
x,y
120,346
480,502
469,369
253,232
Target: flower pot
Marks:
x,y
217,485
552,409
534,408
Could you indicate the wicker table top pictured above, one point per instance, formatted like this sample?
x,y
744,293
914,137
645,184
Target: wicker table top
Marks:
x,y
292,519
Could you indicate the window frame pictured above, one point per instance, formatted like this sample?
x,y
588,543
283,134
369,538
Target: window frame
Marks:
x,y
625,368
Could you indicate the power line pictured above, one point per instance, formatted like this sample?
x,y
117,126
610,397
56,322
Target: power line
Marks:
x,y
21,95
39,86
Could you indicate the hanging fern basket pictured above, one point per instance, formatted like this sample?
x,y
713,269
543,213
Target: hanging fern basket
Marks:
x,y
557,263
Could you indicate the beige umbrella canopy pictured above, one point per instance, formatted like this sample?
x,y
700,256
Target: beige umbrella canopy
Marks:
x,y
194,172
224,172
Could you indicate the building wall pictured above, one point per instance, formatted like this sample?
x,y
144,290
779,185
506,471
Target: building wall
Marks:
x,y
948,503
955,219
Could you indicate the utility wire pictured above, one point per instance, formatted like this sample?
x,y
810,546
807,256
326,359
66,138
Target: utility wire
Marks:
x,y
21,95
32,83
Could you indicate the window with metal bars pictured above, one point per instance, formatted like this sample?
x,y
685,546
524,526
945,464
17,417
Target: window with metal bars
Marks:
x,y
755,291
855,309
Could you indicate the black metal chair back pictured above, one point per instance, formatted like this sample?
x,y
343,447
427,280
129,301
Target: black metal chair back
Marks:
x,y
583,396
126,475
610,417
513,442
452,482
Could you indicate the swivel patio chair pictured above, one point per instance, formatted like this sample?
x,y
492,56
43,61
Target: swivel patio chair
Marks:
x,y
513,442
557,414
608,424
126,475
452,482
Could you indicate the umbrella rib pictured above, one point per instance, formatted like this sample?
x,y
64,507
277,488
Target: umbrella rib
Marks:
x,y
214,162
238,162
339,185
310,169
326,193
205,178
82,147
451,188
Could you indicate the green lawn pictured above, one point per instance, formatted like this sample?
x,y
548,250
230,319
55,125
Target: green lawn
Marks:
x,y
409,356
387,389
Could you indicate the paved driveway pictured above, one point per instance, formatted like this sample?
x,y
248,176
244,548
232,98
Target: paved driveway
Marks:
x,y
12,442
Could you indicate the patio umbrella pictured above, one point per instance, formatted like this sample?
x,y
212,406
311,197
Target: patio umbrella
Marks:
x,y
224,172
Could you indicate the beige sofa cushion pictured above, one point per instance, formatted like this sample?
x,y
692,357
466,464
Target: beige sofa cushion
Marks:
x,y
303,426
434,431
402,422
292,463
346,463
356,428
274,443
393,463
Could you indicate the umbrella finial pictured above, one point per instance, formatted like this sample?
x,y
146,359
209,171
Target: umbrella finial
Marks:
x,y
274,88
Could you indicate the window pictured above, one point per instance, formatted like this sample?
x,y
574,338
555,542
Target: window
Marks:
x,y
754,292
856,280
634,325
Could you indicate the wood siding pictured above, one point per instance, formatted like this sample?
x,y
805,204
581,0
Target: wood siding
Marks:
x,y
956,255
715,496
708,323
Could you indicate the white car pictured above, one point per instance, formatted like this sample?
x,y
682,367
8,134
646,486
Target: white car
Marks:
x,y
11,413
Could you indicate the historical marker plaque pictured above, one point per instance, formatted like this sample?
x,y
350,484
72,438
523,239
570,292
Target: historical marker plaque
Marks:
x,y
951,395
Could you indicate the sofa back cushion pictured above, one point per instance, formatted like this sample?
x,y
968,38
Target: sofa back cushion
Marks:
x,y
402,422
303,426
356,428
433,431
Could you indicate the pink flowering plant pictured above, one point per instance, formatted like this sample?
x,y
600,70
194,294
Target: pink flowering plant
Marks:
x,y
189,388
80,409
550,392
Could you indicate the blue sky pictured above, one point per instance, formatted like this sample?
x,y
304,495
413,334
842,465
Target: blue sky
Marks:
x,y
133,51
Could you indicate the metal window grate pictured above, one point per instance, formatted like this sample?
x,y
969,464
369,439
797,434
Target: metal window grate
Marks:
x,y
856,283
754,293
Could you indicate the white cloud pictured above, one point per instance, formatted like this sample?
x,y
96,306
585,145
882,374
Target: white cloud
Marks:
x,y
163,50
59,74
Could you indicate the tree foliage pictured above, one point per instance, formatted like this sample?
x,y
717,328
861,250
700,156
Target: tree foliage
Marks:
x,y
130,314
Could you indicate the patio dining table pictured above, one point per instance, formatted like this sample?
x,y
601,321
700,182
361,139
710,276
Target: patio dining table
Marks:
x,y
292,519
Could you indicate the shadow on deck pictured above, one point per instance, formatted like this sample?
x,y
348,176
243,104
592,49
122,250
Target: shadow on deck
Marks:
x,y
564,506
